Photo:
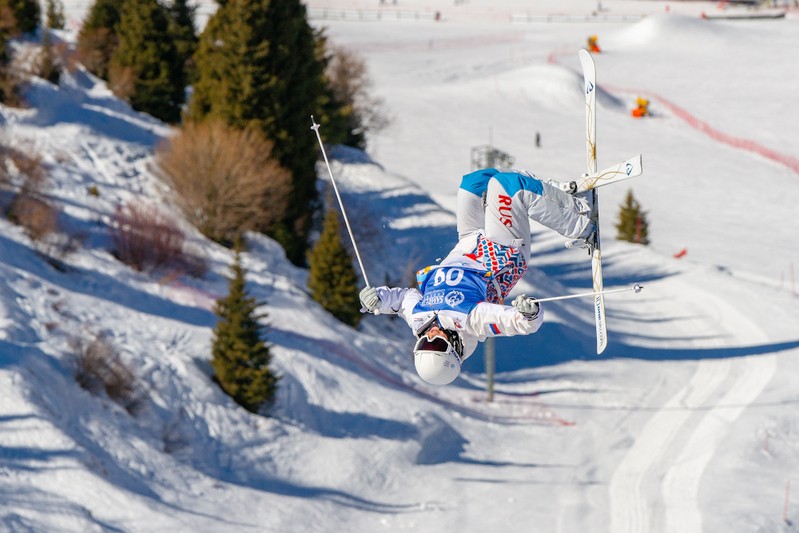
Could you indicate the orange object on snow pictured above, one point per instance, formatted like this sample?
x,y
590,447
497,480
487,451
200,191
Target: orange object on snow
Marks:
x,y
643,108
593,46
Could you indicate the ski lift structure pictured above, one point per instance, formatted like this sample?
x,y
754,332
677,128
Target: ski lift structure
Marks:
x,y
487,156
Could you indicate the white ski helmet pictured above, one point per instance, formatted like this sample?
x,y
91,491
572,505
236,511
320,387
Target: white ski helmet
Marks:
x,y
438,360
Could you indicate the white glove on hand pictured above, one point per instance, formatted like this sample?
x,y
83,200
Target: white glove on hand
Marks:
x,y
369,300
526,306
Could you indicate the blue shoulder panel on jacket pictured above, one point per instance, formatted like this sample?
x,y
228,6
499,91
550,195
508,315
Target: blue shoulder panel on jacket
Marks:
x,y
477,181
514,182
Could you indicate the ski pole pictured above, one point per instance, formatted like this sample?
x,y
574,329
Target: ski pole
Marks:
x,y
637,288
315,127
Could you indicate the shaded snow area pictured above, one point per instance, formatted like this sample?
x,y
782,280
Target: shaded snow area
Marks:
x,y
688,422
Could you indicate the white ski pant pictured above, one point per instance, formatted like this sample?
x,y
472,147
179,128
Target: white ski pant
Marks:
x,y
500,204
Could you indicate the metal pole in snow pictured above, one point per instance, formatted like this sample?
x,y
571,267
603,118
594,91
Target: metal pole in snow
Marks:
x,y
490,360
785,505
315,127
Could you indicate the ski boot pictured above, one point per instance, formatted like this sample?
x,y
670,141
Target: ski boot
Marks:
x,y
567,186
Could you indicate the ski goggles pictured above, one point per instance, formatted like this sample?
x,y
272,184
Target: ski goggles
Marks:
x,y
436,344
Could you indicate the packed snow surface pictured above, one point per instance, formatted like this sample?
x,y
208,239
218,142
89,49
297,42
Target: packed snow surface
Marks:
x,y
687,422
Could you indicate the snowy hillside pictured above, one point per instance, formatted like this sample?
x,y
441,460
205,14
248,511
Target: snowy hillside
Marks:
x,y
688,422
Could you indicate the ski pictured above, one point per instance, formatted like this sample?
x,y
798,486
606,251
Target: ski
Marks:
x,y
589,75
623,171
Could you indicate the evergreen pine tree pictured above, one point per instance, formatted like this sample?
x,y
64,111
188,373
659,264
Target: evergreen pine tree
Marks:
x,y
184,33
5,84
240,357
49,66
257,64
331,277
9,93
145,67
55,15
632,225
25,13
97,38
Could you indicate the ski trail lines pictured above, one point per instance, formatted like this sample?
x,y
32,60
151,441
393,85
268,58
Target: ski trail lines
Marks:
x,y
681,483
632,506
656,485
629,508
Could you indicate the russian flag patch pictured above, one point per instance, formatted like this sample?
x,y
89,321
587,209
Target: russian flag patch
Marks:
x,y
494,329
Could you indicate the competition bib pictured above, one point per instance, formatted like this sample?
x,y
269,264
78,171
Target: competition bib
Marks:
x,y
452,288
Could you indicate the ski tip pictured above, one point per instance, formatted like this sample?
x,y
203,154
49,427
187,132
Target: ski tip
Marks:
x,y
585,58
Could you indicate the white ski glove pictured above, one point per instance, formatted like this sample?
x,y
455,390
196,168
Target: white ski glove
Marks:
x,y
369,300
527,307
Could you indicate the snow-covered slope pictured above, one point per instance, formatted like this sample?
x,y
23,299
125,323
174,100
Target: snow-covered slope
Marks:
x,y
687,423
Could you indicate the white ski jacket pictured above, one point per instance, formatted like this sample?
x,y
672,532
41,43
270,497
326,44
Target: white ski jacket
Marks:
x,y
482,321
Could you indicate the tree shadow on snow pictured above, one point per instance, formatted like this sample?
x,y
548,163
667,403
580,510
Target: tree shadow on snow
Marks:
x,y
442,443
421,244
22,502
350,155
683,354
577,274
104,114
335,424
557,343
102,286
339,497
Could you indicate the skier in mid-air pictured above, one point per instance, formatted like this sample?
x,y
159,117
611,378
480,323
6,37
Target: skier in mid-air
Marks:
x,y
459,302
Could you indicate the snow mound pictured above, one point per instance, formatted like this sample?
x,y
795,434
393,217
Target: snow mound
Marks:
x,y
667,30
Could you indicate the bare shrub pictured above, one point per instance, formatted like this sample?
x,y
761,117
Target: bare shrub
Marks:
x,y
18,73
27,171
9,93
26,178
51,59
145,238
99,368
37,217
9,88
348,79
122,80
5,174
8,21
25,175
94,49
71,62
226,179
